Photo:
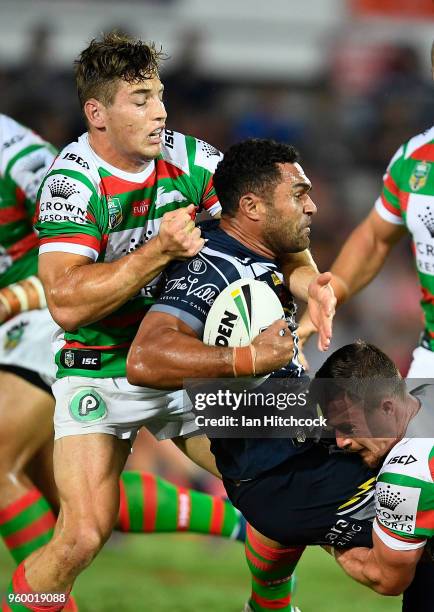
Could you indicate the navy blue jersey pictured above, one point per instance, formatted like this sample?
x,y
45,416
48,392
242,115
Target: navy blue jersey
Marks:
x,y
190,290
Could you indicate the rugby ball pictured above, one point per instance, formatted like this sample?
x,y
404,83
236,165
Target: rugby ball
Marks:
x,y
242,311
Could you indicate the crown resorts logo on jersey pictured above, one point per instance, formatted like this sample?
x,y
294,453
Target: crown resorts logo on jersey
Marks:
x,y
34,165
420,176
58,207
60,188
427,219
87,405
114,212
243,301
396,506
208,149
388,498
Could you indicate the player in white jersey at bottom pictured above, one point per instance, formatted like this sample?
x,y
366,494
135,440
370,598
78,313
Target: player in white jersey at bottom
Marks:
x,y
368,405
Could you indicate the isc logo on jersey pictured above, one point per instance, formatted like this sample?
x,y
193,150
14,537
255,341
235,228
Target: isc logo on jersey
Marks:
x,y
242,311
81,359
402,460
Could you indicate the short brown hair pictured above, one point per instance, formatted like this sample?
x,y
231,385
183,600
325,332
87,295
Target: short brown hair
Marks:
x,y
116,56
362,370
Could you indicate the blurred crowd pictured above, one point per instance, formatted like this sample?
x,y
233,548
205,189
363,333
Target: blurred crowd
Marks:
x,y
346,124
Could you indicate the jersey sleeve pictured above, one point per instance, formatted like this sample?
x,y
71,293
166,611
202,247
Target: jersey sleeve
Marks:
x,y
24,160
67,214
388,204
404,508
204,159
190,290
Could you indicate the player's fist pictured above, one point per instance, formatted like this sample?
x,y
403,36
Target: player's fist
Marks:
x,y
274,348
178,237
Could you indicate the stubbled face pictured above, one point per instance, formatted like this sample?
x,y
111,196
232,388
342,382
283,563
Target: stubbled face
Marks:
x,y
288,212
358,431
135,119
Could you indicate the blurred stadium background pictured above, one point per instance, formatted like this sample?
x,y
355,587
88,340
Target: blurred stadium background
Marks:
x,y
346,82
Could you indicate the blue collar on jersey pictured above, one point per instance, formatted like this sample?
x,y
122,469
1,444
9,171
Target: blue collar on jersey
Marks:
x,y
222,241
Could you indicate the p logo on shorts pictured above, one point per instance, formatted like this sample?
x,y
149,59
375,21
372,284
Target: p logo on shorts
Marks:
x,y
87,405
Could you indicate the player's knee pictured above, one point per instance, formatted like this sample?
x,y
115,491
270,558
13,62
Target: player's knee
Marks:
x,y
89,542
79,545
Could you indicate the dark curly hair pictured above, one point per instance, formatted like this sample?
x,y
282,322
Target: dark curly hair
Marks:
x,y
116,56
250,166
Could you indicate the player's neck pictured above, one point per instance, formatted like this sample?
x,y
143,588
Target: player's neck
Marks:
x,y
246,236
112,156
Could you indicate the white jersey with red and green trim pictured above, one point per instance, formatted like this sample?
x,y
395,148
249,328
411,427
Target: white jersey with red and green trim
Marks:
x,y
404,494
407,199
24,160
88,207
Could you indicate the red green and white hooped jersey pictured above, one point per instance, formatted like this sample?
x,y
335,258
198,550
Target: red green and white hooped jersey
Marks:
x,y
407,199
88,207
24,160
404,494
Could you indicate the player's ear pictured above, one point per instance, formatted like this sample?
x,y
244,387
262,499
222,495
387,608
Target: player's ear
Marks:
x,y
250,206
94,111
388,406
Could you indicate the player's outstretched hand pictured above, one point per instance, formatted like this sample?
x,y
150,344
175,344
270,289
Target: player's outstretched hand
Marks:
x,y
179,237
274,348
321,307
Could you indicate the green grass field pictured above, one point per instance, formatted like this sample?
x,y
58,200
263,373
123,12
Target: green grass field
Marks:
x,y
185,573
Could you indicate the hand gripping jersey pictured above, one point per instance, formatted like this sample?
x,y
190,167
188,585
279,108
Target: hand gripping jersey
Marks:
x,y
408,199
404,495
190,290
24,161
88,207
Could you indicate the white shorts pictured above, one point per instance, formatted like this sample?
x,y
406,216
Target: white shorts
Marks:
x,y
113,406
422,365
25,341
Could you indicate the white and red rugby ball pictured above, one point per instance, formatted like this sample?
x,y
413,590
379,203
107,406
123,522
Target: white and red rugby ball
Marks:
x,y
242,311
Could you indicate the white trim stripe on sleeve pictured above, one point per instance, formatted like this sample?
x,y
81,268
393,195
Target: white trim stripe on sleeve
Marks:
x,y
386,214
69,247
394,543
